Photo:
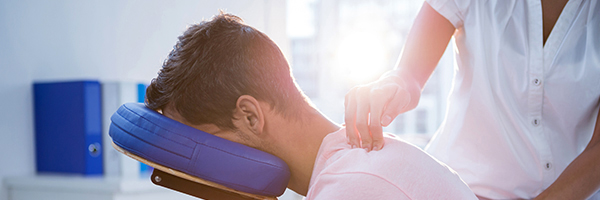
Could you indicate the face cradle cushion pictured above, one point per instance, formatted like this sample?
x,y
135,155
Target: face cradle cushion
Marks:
x,y
167,143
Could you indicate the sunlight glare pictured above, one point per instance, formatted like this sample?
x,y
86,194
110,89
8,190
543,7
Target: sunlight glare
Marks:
x,y
360,57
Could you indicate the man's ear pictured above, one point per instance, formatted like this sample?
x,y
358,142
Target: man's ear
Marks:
x,y
248,114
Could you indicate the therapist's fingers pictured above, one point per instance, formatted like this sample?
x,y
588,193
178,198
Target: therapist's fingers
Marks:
x,y
362,117
350,118
379,97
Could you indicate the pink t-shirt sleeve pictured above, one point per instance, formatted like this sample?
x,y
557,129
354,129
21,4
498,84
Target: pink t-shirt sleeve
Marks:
x,y
357,186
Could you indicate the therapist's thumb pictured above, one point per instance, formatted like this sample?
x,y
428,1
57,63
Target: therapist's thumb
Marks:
x,y
399,104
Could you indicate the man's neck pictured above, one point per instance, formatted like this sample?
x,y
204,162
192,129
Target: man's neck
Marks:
x,y
300,146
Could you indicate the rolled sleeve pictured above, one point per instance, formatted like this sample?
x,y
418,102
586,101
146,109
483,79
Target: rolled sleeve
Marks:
x,y
453,10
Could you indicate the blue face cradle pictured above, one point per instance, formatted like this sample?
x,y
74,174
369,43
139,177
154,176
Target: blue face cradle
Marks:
x,y
160,140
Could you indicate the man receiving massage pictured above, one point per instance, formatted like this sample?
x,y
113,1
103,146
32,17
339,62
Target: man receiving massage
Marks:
x,y
229,79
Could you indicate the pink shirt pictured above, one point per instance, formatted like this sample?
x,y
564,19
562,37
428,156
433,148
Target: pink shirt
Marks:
x,y
398,171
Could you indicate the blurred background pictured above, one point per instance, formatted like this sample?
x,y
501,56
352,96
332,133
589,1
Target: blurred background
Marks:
x,y
331,45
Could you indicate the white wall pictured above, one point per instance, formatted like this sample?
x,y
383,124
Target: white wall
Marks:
x,y
122,40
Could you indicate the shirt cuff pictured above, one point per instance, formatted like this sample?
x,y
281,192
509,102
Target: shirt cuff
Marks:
x,y
449,10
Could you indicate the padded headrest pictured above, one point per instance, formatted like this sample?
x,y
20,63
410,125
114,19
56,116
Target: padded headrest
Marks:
x,y
150,135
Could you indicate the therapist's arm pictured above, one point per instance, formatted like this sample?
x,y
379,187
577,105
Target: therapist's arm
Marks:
x,y
581,178
369,107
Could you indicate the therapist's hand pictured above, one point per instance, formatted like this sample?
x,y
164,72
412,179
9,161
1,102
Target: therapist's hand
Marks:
x,y
370,107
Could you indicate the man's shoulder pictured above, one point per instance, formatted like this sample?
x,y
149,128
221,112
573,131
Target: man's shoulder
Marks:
x,y
397,165
354,185
395,161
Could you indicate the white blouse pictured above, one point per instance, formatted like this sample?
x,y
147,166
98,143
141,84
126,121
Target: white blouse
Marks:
x,y
519,111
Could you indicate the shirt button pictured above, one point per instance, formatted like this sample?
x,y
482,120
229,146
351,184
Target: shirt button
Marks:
x,y
535,122
537,81
548,165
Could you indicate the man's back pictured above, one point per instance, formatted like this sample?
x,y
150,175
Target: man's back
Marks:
x,y
398,171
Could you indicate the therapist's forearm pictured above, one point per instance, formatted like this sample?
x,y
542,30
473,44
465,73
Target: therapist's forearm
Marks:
x,y
581,178
425,45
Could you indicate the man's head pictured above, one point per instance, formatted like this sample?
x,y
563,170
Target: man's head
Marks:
x,y
229,79
216,62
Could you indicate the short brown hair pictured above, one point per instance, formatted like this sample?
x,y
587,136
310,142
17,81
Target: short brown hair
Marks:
x,y
213,64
